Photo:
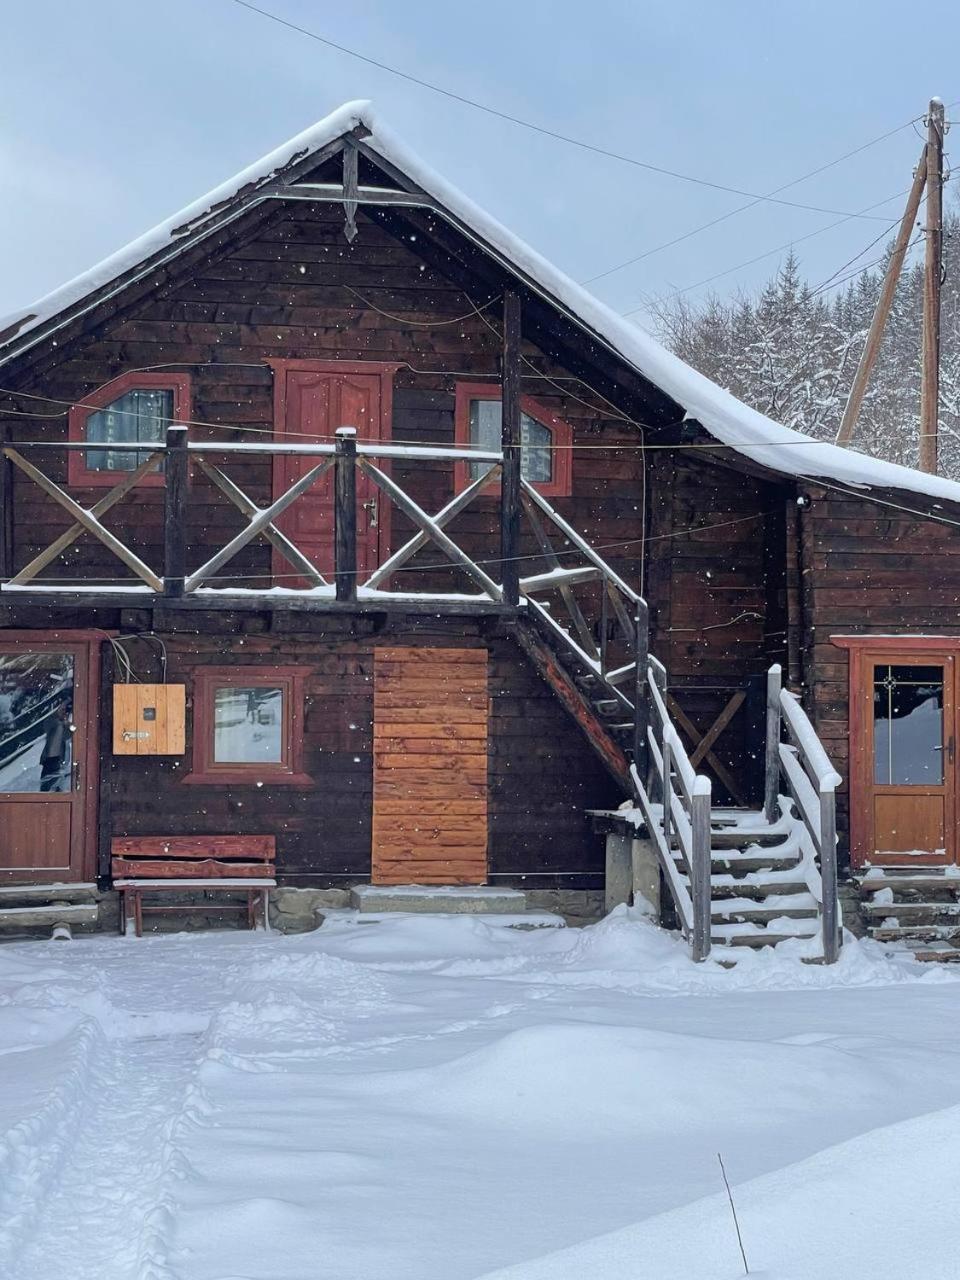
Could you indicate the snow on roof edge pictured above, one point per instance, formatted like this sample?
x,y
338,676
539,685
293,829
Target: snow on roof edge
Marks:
x,y
729,420
166,233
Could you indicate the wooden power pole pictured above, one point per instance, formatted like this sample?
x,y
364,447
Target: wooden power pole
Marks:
x,y
932,271
871,347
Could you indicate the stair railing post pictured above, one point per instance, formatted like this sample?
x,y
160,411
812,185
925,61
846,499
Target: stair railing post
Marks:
x,y
828,875
771,774
510,444
345,514
176,465
700,872
667,790
641,697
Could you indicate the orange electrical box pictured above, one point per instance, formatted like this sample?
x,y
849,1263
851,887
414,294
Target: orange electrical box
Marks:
x,y
149,719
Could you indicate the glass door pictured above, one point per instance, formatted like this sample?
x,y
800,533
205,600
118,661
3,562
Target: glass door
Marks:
x,y
43,696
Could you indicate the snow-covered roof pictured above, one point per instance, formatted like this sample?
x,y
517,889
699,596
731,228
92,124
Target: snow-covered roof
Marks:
x,y
731,422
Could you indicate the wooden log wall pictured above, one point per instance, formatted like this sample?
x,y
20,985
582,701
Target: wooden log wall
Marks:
x,y
717,607
541,775
868,568
288,285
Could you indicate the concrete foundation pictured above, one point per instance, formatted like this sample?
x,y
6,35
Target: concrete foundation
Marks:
x,y
453,899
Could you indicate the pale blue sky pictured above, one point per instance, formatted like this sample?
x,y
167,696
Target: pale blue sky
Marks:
x,y
115,113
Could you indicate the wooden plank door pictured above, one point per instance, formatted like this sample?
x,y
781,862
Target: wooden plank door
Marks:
x,y
312,402
48,760
430,766
904,740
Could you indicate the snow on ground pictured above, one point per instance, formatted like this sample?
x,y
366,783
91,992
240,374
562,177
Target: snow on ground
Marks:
x,y
444,1098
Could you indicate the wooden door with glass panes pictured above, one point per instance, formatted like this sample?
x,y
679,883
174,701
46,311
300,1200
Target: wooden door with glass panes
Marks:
x,y
47,759
903,730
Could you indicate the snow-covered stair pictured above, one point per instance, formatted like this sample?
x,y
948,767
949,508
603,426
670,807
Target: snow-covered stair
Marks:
x,y
917,907
763,880
25,909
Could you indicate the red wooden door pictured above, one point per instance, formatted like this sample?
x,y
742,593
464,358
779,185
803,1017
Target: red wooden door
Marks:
x,y
315,402
48,760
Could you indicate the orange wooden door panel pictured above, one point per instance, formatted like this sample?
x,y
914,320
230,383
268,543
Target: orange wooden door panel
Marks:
x,y
904,758
430,766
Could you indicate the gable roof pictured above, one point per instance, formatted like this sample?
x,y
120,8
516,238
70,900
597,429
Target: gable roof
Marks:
x,y
727,419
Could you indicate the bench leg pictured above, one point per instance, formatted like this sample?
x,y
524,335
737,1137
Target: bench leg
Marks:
x,y
265,909
251,909
137,913
122,923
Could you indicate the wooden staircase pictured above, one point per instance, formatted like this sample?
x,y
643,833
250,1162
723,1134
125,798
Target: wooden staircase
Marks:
x,y
764,884
915,907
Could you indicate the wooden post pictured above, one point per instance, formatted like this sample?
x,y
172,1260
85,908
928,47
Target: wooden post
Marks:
x,y
175,511
6,508
641,698
105,780
771,766
828,875
932,267
667,792
510,444
345,514
868,357
702,869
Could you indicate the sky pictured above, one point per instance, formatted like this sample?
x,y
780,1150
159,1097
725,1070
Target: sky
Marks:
x,y
116,113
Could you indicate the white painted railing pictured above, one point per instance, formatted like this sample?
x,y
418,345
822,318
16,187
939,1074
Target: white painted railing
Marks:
x,y
803,764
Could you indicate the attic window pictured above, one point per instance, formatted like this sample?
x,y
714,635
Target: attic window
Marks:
x,y
545,453
132,410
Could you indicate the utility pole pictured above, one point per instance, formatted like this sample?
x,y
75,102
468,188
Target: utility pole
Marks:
x,y
871,347
932,271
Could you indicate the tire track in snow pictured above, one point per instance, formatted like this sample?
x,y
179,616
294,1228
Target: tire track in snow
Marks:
x,y
33,1151
106,1215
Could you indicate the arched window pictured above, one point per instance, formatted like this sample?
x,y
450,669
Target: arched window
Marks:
x,y
545,440
132,410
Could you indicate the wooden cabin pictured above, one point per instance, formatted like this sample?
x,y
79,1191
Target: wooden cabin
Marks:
x,y
347,542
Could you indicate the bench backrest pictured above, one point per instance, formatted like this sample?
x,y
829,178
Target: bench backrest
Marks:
x,y
157,857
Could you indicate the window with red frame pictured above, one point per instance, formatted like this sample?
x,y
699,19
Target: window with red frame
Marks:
x,y
545,453
248,726
132,410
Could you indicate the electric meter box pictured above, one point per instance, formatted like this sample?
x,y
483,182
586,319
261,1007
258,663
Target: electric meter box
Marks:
x,y
149,719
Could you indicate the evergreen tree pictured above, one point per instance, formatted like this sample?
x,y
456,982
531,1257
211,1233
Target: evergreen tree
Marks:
x,y
792,351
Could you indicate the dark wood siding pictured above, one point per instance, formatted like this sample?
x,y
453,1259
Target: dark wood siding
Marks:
x,y
868,568
542,774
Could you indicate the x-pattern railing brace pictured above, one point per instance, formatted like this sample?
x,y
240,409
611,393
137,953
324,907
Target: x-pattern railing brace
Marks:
x,y
86,521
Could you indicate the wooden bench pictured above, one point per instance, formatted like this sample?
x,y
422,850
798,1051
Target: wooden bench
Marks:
x,y
177,864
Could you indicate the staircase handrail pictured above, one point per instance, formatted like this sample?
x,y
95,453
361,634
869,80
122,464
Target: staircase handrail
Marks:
x,y
812,782
684,819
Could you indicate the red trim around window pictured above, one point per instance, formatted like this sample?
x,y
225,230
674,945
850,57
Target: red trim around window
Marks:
x,y
288,771
78,471
562,432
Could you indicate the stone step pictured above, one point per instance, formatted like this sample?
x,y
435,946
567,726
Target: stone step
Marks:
x,y
915,932
919,912
439,899
910,884
47,914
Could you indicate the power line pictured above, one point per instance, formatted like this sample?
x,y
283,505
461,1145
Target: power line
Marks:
x,y
536,128
718,275
705,226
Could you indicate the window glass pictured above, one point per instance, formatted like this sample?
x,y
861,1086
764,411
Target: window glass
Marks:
x,y
248,725
138,417
536,456
908,725
36,708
